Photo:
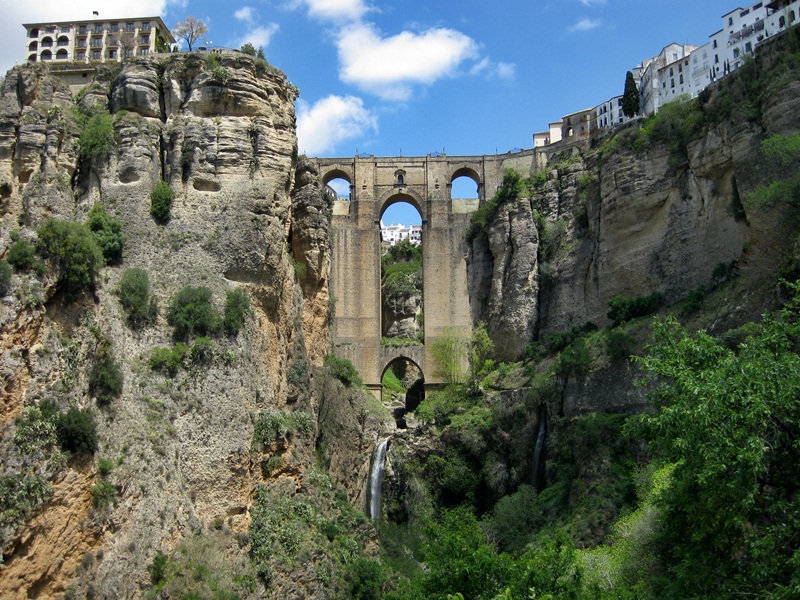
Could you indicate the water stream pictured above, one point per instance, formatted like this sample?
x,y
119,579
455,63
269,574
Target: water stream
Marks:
x,y
376,480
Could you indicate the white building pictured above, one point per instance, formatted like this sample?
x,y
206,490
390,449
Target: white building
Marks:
x,y
665,77
609,113
96,40
744,28
391,234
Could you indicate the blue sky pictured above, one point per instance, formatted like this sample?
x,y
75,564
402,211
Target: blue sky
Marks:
x,y
410,78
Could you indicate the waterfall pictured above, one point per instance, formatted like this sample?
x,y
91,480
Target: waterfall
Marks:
x,y
376,480
538,453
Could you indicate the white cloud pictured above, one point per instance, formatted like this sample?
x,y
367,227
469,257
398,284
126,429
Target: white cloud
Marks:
x,y
389,67
15,13
335,10
585,24
258,36
330,121
244,14
503,70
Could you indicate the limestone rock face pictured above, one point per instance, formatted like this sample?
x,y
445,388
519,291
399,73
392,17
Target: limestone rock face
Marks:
x,y
510,305
181,445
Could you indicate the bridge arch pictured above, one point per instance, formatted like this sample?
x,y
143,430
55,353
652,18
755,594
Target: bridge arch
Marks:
x,y
407,195
337,172
470,172
415,393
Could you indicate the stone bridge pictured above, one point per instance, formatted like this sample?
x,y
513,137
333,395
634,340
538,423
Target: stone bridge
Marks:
x,y
426,183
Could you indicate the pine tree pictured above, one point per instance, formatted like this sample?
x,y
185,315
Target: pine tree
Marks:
x,y
630,98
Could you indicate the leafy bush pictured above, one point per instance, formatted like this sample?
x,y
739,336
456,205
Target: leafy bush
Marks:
x,y
202,350
107,231
103,494
559,341
105,379
514,520
366,579
22,256
161,202
275,426
622,308
5,277
104,467
134,295
619,344
248,49
575,359
237,305
20,495
35,432
97,138
343,370
74,247
76,431
168,360
190,312
297,375
158,568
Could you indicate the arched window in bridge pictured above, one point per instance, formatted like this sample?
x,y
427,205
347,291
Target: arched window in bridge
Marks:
x,y
401,274
402,389
341,187
400,177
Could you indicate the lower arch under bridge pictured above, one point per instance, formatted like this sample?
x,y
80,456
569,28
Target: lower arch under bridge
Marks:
x,y
426,183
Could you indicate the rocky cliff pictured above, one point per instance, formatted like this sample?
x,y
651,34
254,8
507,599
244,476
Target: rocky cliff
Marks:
x,y
245,216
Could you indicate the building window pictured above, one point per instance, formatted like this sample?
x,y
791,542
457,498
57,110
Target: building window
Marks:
x,y
34,33
671,74
715,43
81,43
114,27
146,26
33,46
672,83
748,47
144,51
744,13
145,39
63,41
96,42
735,53
80,55
98,28
128,52
716,59
62,54
128,26
97,54
730,21
681,79
82,29
47,55
112,54
47,42
782,22
65,29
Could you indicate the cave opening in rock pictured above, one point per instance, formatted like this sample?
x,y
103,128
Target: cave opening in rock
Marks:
x,y
402,388
402,321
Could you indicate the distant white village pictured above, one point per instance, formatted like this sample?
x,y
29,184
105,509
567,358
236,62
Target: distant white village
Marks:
x,y
682,69
392,234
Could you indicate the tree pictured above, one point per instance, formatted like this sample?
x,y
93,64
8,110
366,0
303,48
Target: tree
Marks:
x,y
190,30
729,420
630,97
248,49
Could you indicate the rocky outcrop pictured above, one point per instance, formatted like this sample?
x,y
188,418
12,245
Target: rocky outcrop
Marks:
x,y
180,446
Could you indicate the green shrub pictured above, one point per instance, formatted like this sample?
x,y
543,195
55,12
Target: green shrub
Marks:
x,y
515,519
103,494
76,431
20,495
190,312
248,49
168,360
161,202
74,247
134,295
35,432
105,379
158,569
237,305
366,579
107,232
575,359
104,467
559,341
97,139
5,277
510,189
622,308
271,425
619,344
297,375
343,370
202,350
22,256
